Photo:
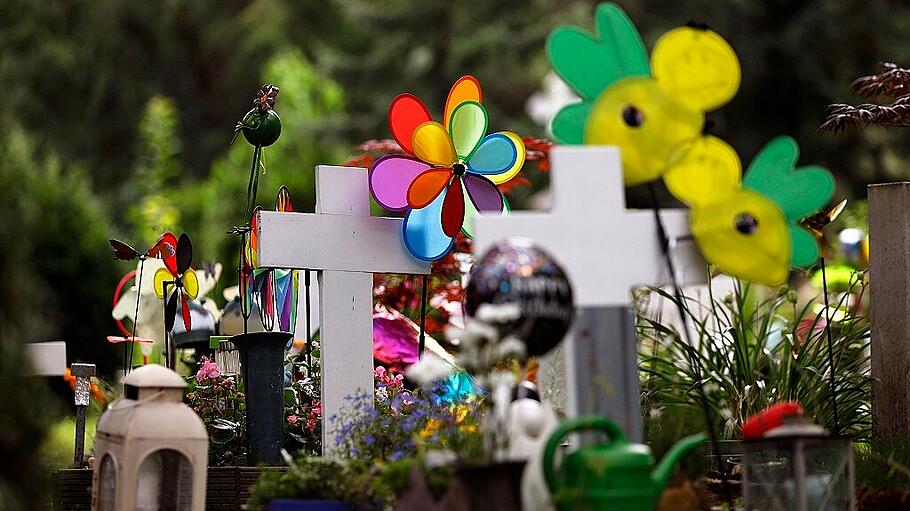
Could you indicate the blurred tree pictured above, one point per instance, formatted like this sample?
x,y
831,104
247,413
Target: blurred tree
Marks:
x,y
79,74
57,273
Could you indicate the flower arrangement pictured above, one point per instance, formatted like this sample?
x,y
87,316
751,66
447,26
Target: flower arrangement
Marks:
x,y
303,408
396,423
219,401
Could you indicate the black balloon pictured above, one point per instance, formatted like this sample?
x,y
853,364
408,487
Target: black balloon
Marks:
x,y
516,271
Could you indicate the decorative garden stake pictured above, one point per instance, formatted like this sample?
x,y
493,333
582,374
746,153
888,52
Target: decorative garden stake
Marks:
x,y
176,281
262,365
587,220
798,466
345,245
613,476
448,174
165,248
151,449
83,374
816,223
261,127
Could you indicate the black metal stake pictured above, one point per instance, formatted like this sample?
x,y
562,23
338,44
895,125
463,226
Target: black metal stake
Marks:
x,y
253,186
421,340
167,334
821,261
696,364
83,374
129,356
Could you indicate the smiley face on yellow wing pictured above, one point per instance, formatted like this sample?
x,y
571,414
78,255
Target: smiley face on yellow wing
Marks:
x,y
650,110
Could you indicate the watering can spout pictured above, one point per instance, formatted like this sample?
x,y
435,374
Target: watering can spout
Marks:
x,y
661,474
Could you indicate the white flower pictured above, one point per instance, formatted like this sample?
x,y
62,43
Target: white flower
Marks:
x,y
428,370
510,347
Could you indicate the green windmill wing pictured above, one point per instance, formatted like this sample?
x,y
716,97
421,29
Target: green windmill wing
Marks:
x,y
568,126
799,192
589,64
804,247
617,31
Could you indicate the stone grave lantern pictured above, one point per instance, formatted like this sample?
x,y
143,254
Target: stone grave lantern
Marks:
x,y
151,449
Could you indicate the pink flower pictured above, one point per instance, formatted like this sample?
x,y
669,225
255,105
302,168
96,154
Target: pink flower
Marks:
x,y
388,379
292,420
208,370
314,416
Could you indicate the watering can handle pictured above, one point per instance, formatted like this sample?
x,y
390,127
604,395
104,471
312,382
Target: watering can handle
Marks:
x,y
583,422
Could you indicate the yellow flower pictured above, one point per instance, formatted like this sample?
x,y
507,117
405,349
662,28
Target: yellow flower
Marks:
x,y
432,427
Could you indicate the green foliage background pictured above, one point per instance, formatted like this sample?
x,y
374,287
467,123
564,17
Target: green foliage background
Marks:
x,y
116,114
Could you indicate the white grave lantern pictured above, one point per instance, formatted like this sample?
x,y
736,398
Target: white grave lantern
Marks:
x,y
151,449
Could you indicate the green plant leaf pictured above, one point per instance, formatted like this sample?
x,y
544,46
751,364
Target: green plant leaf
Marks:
x,y
590,64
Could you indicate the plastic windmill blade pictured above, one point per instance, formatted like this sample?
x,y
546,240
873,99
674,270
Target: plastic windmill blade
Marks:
x,y
286,298
799,192
650,110
749,230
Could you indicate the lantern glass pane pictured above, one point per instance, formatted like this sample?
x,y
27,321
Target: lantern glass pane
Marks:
x,y
107,484
770,478
828,476
165,482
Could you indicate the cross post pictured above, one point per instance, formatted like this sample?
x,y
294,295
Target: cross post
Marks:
x,y
606,250
346,246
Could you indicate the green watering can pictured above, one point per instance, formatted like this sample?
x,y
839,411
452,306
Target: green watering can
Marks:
x,y
614,476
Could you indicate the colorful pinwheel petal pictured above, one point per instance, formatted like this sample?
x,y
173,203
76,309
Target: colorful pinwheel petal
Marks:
x,y
450,171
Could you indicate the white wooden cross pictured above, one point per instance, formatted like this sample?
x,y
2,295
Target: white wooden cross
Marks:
x,y
346,245
606,251
46,358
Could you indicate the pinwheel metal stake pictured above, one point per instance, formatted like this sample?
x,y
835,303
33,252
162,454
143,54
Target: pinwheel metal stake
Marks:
x,y
261,127
164,248
448,174
693,360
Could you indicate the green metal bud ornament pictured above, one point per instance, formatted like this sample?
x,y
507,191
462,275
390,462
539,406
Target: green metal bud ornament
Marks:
x,y
261,127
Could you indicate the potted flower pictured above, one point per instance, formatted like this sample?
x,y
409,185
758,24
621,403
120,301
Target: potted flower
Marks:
x,y
311,484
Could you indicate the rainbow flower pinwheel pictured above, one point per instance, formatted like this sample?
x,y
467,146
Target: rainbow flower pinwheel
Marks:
x,y
654,111
450,171
751,229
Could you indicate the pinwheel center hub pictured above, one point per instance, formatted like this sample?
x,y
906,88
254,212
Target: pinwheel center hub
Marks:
x,y
633,117
459,169
746,223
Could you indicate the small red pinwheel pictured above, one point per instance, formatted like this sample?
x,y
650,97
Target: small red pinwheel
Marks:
x,y
177,280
